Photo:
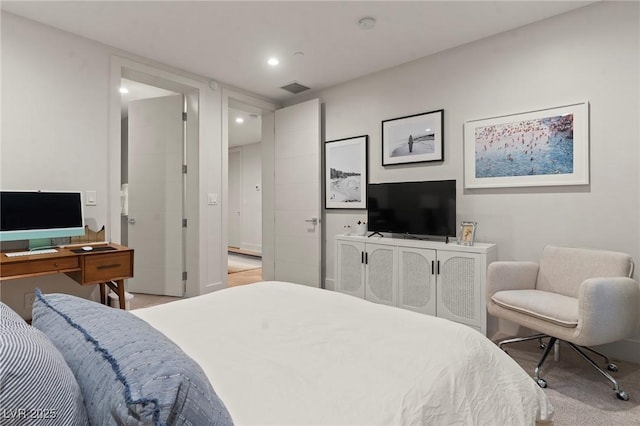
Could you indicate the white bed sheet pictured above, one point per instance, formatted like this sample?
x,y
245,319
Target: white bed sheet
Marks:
x,y
285,354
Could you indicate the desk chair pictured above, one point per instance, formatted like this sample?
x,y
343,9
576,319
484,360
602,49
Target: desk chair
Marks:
x,y
579,296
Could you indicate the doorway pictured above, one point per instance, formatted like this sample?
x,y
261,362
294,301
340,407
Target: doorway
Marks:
x,y
154,186
244,251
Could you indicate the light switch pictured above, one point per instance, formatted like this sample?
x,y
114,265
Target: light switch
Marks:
x,y
91,198
213,199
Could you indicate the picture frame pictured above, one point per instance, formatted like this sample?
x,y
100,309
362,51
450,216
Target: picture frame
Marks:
x,y
537,148
467,234
346,173
417,138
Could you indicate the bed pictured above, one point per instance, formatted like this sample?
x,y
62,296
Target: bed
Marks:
x,y
277,353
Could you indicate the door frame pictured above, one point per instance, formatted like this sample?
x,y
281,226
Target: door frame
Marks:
x,y
193,89
268,178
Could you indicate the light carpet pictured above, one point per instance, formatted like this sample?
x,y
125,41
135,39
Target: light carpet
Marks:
x,y
579,394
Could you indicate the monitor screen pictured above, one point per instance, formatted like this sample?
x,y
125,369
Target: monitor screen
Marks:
x,y
26,215
417,208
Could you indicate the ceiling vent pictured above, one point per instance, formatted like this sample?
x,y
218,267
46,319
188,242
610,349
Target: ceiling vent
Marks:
x,y
295,87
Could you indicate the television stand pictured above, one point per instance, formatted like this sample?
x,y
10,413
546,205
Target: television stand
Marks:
x,y
374,233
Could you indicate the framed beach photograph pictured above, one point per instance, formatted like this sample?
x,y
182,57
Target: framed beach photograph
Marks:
x,y
467,234
413,139
346,173
537,148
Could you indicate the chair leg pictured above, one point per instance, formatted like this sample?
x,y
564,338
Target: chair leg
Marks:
x,y
619,393
521,339
610,365
536,373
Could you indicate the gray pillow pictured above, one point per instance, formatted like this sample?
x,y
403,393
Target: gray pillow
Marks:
x,y
128,371
36,385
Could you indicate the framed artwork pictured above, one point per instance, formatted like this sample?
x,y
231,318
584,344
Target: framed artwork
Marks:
x,y
537,148
346,173
413,139
467,233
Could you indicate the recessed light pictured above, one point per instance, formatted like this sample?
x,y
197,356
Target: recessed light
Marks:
x,y
124,90
427,130
239,120
273,62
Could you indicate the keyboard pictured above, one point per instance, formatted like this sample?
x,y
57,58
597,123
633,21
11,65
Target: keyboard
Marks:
x,y
30,252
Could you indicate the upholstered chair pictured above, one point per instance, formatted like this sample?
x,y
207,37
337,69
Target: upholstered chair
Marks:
x,y
579,296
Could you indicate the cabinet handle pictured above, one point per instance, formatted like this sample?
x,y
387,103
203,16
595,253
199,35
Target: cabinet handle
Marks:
x,y
112,265
361,257
432,267
366,258
438,267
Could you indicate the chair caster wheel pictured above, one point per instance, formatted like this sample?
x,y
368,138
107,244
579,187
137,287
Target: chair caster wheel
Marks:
x,y
612,367
622,395
543,383
542,345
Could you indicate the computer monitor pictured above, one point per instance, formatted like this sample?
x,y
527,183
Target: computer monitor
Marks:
x,y
29,215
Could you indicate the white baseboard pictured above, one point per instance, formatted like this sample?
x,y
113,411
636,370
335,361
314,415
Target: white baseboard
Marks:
x,y
252,247
330,284
625,350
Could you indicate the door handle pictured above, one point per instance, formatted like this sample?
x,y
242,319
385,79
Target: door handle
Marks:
x,y
131,221
313,220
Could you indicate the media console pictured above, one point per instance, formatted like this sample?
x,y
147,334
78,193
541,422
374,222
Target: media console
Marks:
x,y
429,277
108,268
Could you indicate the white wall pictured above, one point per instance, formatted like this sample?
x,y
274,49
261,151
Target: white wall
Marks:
x,y
55,115
591,54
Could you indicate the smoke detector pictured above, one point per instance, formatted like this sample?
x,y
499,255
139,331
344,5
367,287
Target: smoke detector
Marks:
x,y
366,23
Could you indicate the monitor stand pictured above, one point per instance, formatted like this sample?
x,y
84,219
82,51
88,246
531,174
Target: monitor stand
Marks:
x,y
375,233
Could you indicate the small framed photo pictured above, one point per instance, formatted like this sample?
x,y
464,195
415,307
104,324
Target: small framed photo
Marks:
x,y
415,138
467,233
346,173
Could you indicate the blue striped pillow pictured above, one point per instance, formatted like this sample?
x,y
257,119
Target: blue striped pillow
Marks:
x,y
129,372
37,386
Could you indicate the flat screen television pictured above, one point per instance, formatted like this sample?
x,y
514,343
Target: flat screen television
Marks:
x,y
28,215
417,208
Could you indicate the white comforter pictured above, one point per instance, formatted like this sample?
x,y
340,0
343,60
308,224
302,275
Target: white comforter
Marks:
x,y
284,354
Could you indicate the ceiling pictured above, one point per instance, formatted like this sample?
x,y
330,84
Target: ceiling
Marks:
x,y
136,91
231,41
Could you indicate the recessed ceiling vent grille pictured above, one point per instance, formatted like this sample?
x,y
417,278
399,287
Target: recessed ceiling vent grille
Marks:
x,y
295,87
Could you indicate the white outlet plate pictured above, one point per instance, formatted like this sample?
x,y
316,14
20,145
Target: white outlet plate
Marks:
x,y
29,298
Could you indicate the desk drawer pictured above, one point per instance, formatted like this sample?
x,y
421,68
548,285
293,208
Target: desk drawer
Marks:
x,y
39,266
107,267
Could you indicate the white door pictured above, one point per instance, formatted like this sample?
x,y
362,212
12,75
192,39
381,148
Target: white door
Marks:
x,y
297,187
235,198
155,229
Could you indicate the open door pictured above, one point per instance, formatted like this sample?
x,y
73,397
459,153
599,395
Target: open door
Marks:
x,y
156,191
297,236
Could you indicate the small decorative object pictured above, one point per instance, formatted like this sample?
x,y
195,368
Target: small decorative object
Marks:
x,y
413,139
346,173
537,148
347,230
361,228
467,233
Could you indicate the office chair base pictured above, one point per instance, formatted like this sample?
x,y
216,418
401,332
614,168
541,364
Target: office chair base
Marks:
x,y
620,394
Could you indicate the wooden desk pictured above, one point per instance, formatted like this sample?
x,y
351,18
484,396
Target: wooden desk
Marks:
x,y
107,268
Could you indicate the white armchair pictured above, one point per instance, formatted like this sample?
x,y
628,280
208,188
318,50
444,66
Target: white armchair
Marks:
x,y
579,296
